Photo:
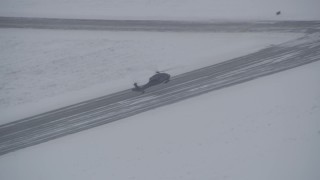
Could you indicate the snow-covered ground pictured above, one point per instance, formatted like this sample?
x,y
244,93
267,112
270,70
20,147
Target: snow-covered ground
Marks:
x,y
60,68
264,129
164,9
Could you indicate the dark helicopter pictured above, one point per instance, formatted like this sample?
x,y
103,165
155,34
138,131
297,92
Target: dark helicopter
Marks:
x,y
156,79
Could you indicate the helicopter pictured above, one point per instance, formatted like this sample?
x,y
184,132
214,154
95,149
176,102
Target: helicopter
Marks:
x,y
156,79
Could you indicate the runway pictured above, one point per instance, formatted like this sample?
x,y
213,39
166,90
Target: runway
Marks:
x,y
44,127
159,25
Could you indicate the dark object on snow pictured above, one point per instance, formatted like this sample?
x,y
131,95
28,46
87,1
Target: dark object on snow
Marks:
x,y
156,79
279,12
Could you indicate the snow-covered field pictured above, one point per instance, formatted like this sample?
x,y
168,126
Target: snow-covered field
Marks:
x,y
60,68
164,9
264,129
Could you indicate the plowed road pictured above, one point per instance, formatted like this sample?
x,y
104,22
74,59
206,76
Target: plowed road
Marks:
x,y
89,114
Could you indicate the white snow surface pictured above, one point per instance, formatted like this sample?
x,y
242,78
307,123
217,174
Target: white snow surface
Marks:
x,y
263,129
164,9
44,70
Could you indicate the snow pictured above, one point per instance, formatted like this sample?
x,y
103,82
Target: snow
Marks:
x,y
164,9
264,129
59,68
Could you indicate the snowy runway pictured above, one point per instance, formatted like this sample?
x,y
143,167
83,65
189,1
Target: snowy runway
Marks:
x,y
44,127
159,25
